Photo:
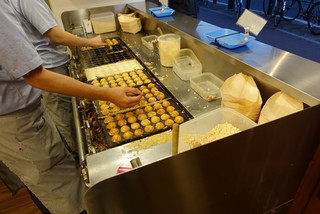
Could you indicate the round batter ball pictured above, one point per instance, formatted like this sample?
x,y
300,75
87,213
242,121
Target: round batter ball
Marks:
x,y
119,116
139,82
122,122
147,81
151,85
124,128
179,119
116,138
149,128
96,84
155,119
154,89
152,99
105,111
174,113
138,132
139,111
108,119
132,73
170,108
145,91
135,125
165,117
148,95
101,102
132,119
94,81
145,122
169,122
139,71
157,106
161,111
144,77
129,114
112,105
152,114
166,104
142,87
113,131
160,96
142,117
159,125
127,135
131,84
125,74
148,108
111,125
116,109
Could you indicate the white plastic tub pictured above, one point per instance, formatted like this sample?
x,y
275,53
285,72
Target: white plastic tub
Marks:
x,y
103,22
203,124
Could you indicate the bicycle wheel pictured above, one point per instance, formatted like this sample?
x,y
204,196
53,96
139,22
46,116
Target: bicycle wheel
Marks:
x,y
238,6
278,13
314,19
268,7
292,11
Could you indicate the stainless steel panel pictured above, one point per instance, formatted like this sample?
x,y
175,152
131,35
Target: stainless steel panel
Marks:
x,y
254,172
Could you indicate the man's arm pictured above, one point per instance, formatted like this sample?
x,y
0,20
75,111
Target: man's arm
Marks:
x,y
59,36
49,81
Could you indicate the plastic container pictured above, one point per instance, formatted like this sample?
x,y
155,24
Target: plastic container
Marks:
x,y
218,33
129,23
207,86
186,64
158,12
149,41
204,123
234,41
169,44
103,22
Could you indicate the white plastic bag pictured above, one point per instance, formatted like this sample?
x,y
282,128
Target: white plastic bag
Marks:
x,y
241,93
279,105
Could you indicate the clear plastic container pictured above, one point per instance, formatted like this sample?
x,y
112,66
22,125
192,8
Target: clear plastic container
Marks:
x,y
207,86
186,64
204,123
103,22
149,41
169,44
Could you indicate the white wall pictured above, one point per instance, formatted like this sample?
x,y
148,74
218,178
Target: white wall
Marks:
x,y
60,6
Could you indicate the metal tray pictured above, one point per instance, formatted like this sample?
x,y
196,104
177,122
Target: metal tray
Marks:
x,y
92,57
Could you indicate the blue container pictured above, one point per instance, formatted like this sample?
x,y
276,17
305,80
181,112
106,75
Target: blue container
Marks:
x,y
157,11
228,38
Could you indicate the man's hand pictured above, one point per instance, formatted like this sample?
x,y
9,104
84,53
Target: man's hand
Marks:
x,y
97,42
125,97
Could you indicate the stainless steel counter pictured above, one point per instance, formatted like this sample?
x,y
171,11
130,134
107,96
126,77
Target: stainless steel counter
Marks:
x,y
272,69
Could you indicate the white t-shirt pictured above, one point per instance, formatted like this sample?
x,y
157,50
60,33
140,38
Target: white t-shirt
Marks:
x,y
17,57
37,18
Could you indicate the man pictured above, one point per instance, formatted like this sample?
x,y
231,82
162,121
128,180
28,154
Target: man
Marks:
x,y
30,145
50,42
